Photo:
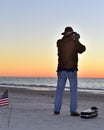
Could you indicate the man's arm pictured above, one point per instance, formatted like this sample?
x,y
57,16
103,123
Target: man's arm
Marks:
x,y
80,48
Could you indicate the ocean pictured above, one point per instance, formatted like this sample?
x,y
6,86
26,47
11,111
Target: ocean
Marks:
x,y
84,84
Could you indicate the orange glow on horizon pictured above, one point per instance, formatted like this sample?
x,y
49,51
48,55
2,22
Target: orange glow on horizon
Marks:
x,y
91,72
52,73
28,72
45,66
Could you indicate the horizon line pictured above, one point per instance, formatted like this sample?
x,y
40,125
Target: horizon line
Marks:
x,y
44,77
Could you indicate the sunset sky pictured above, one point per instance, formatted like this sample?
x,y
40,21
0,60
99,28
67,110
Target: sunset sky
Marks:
x,y
29,30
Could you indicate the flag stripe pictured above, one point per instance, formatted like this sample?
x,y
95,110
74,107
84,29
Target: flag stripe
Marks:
x,y
4,99
4,102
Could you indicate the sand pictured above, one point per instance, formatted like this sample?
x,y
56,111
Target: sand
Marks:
x,y
33,110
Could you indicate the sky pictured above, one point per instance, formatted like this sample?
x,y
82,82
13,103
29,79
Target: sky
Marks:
x,y
29,30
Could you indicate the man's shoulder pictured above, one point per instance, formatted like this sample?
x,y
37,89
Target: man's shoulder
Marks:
x,y
59,41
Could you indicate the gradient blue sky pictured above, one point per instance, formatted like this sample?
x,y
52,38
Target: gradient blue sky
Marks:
x,y
29,30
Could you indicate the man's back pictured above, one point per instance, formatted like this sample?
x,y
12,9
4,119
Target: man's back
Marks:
x,y
68,50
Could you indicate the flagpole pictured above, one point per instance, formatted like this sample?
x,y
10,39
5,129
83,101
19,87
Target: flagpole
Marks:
x,y
9,114
3,102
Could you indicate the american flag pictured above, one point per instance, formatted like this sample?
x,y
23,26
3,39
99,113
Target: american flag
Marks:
x,y
4,99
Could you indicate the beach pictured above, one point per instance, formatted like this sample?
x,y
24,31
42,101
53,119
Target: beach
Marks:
x,y
33,110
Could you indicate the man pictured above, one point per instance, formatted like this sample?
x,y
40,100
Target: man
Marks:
x,y
68,48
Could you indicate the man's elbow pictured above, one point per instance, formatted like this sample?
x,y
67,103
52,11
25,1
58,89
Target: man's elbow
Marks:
x,y
83,49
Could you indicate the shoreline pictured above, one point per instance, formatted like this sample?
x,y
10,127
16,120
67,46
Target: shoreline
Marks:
x,y
81,94
44,88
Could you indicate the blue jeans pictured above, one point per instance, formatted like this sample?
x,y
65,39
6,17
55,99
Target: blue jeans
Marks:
x,y
62,78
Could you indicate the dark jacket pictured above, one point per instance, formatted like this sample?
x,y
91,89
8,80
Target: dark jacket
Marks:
x,y
68,49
